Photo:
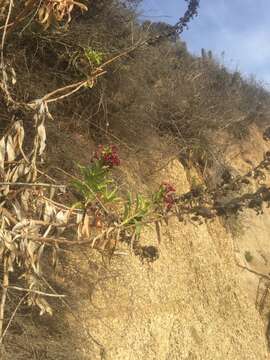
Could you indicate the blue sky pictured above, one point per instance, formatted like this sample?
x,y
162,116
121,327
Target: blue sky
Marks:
x,y
240,28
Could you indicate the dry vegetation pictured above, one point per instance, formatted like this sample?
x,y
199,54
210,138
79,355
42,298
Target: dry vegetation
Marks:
x,y
97,70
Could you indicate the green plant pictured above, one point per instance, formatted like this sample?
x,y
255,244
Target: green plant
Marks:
x,y
135,212
95,183
94,57
164,198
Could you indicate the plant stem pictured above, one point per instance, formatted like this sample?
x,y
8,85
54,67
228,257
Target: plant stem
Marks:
x,y
32,184
3,299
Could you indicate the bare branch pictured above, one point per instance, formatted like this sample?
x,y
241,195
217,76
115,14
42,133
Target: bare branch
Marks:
x,y
4,297
46,185
35,292
253,271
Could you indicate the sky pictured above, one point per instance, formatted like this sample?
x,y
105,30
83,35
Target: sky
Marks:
x,y
239,28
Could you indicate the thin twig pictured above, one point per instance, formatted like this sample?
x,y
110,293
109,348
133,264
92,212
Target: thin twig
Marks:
x,y
46,175
61,206
4,33
4,297
32,18
253,271
263,298
2,66
20,17
47,96
69,93
257,293
12,317
58,186
124,53
66,173
77,86
64,241
35,292
42,223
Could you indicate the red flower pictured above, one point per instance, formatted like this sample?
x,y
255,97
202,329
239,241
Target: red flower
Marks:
x,y
168,192
168,187
108,155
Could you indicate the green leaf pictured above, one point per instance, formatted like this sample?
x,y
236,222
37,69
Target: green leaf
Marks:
x,y
95,183
138,228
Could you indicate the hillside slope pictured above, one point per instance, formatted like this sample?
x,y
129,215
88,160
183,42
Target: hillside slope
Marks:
x,y
106,78
191,303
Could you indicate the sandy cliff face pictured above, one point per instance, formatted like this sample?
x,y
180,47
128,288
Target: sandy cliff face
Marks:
x,y
194,302
189,304
251,243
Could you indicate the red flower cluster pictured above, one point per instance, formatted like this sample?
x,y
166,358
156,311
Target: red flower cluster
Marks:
x,y
108,155
168,192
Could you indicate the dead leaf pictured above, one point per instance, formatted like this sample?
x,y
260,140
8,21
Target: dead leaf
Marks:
x,y
2,153
61,218
43,305
19,137
25,197
38,258
17,172
42,138
54,257
31,250
18,210
157,224
7,239
10,262
13,76
79,218
85,227
11,154
49,212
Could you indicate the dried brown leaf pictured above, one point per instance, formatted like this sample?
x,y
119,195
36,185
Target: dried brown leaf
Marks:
x,y
13,76
11,259
43,305
25,199
38,258
19,137
18,210
7,239
32,253
18,171
61,218
11,153
49,212
157,224
2,152
42,138
85,227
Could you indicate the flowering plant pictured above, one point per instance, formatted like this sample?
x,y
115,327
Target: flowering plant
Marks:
x,y
165,196
107,155
95,183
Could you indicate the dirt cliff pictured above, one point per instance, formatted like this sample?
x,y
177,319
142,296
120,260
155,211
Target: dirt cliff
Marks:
x,y
194,302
